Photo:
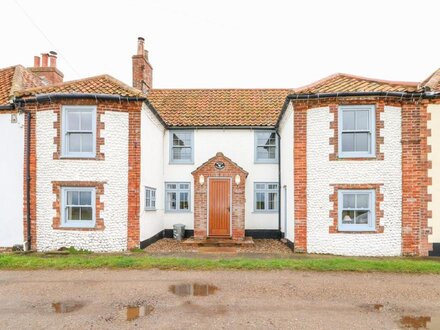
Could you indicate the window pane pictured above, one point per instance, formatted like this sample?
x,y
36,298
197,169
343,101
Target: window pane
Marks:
x,y
348,120
171,186
184,186
272,186
86,213
263,138
85,198
260,186
153,204
362,120
266,152
87,142
147,193
73,213
73,120
153,194
362,201
182,153
171,200
362,217
74,142
362,142
260,202
273,200
182,139
348,217
347,142
348,201
184,202
72,198
86,121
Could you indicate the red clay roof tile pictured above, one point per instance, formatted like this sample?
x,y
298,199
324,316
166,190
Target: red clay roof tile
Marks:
x,y
218,107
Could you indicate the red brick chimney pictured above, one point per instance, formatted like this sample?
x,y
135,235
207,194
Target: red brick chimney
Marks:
x,y
46,69
142,69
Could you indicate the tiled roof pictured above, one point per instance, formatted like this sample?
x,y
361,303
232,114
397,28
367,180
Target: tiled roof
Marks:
x,y
103,84
342,82
15,78
432,82
218,107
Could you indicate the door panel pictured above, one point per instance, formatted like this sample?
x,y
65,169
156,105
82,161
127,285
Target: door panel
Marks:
x,y
219,207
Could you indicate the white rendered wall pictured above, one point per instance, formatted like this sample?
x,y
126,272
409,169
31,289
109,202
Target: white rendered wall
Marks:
x,y
11,181
236,144
287,209
113,170
152,160
434,172
321,173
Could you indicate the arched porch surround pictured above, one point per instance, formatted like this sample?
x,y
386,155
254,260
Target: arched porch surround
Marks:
x,y
219,199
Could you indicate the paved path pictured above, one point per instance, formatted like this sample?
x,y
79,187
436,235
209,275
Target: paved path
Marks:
x,y
102,299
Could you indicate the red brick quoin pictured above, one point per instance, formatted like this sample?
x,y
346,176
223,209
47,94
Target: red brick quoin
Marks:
x,y
230,170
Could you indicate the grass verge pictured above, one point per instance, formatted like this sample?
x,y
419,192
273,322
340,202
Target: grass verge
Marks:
x,y
137,261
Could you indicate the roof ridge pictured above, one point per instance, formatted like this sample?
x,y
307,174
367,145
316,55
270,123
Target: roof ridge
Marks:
x,y
106,77
222,89
352,76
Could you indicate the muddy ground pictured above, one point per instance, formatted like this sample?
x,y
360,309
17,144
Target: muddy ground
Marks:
x,y
102,299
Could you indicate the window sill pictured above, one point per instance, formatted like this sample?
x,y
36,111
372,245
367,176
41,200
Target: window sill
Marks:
x,y
79,158
150,210
79,228
265,212
274,162
179,163
177,211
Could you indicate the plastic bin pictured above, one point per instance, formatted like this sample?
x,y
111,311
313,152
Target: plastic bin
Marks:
x,y
178,231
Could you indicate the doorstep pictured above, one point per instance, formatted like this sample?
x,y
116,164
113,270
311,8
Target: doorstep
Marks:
x,y
218,242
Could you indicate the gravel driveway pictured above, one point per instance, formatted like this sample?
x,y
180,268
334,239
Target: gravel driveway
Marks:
x,y
101,299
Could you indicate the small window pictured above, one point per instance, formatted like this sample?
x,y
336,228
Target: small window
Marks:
x,y
79,126
266,197
266,147
177,197
357,131
150,198
181,147
78,207
356,210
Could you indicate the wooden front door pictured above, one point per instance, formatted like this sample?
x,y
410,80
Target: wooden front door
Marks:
x,y
219,207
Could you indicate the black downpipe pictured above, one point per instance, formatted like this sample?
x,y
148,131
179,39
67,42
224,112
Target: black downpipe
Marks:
x,y
279,184
28,181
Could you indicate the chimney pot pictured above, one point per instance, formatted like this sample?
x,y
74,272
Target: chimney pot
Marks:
x,y
45,59
140,49
53,61
36,61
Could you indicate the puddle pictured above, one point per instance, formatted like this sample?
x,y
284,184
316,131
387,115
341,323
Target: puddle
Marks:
x,y
420,322
134,312
67,306
194,289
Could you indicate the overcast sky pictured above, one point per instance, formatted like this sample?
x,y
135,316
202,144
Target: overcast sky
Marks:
x,y
227,43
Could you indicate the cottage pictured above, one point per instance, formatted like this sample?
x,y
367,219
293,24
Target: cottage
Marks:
x,y
345,166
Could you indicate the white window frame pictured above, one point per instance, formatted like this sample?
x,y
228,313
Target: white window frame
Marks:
x,y
371,131
150,195
65,223
371,225
64,131
178,190
256,145
171,147
266,192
